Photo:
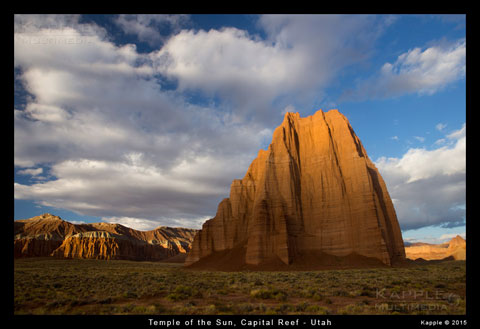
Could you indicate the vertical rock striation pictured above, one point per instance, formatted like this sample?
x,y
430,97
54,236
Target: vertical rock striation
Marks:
x,y
49,235
313,194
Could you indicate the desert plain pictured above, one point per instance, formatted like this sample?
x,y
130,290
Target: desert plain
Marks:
x,y
89,286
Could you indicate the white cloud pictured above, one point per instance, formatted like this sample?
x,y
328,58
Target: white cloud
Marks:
x,y
288,108
450,236
135,187
440,126
440,141
428,186
139,224
116,143
424,72
428,238
119,145
47,113
143,224
31,172
147,27
419,163
419,138
28,23
457,134
77,222
253,73
240,69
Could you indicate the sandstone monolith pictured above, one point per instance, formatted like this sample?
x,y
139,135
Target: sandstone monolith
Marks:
x,y
312,198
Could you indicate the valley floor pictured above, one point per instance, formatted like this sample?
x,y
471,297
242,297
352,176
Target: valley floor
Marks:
x,y
78,286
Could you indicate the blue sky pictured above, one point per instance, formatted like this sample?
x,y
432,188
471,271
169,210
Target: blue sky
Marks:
x,y
145,120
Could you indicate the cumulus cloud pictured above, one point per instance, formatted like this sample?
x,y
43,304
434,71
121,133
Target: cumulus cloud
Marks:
x,y
120,144
299,57
428,238
143,224
131,188
450,236
115,143
149,27
421,71
31,172
140,224
428,187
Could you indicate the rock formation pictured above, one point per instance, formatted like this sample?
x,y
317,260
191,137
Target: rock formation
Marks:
x,y
454,249
41,235
49,235
313,197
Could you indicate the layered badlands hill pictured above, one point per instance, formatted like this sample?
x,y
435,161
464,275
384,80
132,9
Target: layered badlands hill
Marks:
x,y
49,235
313,199
455,249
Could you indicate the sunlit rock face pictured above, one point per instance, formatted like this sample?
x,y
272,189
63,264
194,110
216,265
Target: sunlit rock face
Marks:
x,y
313,194
49,235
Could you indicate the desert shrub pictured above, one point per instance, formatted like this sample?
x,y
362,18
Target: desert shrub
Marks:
x,y
130,294
54,287
261,293
107,300
175,297
244,308
308,293
271,311
138,309
269,294
352,309
341,292
367,292
280,296
258,282
317,309
284,308
57,303
317,296
261,308
183,292
242,279
211,309
302,307
151,309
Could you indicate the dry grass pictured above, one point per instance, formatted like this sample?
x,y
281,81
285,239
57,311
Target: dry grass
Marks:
x,y
56,286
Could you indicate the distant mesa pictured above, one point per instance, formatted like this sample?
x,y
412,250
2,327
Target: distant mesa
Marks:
x,y
49,235
455,249
312,200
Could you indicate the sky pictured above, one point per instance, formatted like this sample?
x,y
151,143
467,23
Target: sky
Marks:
x,y
145,120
